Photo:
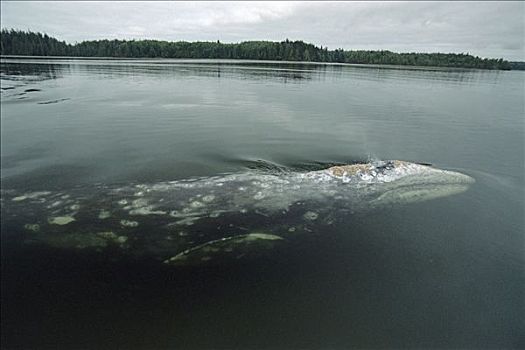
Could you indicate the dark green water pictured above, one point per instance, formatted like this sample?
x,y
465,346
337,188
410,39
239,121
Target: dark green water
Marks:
x,y
447,273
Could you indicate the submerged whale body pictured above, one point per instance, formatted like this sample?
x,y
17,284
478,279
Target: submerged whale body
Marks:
x,y
231,216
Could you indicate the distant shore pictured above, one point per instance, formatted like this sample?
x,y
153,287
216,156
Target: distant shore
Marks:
x,y
22,43
46,59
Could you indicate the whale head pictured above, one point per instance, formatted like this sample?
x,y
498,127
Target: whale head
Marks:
x,y
401,182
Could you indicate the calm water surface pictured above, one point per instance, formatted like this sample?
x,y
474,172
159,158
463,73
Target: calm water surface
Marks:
x,y
447,273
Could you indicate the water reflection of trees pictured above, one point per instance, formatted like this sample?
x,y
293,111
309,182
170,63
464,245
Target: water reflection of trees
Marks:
x,y
449,75
286,73
31,72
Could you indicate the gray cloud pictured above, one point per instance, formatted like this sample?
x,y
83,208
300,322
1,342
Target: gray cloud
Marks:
x,y
487,29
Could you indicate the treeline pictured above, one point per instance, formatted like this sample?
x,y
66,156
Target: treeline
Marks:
x,y
514,65
15,42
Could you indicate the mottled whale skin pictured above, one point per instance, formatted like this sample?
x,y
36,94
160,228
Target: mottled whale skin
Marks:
x,y
196,220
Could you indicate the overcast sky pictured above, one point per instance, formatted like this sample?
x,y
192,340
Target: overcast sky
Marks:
x,y
487,29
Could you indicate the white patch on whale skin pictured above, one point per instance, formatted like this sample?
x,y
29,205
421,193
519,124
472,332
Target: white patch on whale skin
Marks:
x,y
148,210
104,214
187,221
54,204
129,223
264,236
208,198
258,196
121,239
107,235
141,207
112,237
310,215
32,227
186,212
31,195
197,205
60,220
217,213
141,202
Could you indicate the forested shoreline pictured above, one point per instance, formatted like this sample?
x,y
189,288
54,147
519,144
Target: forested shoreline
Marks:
x,y
26,43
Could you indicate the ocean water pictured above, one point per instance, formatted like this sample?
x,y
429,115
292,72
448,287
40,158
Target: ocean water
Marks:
x,y
445,273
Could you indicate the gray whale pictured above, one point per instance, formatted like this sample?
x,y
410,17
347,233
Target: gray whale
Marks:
x,y
233,215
